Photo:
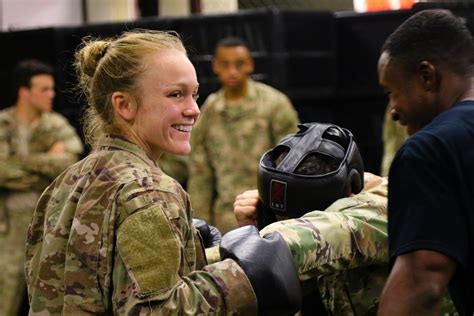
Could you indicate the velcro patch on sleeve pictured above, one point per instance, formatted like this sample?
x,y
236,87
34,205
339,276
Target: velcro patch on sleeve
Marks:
x,y
150,250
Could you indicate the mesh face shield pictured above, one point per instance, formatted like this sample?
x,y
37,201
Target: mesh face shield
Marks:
x,y
310,170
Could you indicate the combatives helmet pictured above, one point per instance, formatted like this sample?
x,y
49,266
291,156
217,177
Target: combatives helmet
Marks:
x,y
310,170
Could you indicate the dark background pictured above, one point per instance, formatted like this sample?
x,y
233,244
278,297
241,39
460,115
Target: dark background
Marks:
x,y
326,62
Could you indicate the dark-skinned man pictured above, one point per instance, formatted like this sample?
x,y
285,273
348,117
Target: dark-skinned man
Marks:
x,y
426,66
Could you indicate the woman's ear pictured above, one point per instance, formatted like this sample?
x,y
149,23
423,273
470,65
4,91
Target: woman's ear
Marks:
x,y
124,105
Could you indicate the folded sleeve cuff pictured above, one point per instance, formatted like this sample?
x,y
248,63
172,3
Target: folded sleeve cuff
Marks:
x,y
236,289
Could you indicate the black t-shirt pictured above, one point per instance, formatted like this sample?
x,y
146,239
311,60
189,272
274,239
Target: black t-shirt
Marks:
x,y
431,196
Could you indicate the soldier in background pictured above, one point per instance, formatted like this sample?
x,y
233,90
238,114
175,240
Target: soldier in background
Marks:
x,y
393,137
176,167
36,145
113,234
238,124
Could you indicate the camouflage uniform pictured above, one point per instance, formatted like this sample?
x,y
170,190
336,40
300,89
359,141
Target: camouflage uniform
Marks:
x,y
339,247
394,135
113,234
25,170
176,167
227,143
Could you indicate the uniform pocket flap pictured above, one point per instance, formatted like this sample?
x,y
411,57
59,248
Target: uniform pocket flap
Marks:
x,y
150,250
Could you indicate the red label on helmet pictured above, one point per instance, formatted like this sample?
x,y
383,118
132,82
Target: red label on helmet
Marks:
x,y
278,195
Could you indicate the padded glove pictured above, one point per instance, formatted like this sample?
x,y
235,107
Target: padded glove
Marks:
x,y
210,235
268,263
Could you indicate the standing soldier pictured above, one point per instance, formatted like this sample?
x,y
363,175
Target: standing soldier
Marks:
x,y
238,124
176,167
36,145
393,137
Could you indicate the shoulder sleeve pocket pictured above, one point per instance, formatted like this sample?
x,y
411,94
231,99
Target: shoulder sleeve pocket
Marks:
x,y
149,250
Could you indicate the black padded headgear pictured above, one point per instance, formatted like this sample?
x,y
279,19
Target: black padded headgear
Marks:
x,y
286,191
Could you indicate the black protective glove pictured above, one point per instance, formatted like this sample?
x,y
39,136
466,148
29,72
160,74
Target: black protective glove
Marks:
x,y
210,235
268,263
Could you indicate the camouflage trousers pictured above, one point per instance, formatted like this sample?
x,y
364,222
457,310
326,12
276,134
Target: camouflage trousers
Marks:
x,y
12,261
353,291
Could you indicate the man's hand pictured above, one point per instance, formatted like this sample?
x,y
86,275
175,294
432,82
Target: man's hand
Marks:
x,y
245,208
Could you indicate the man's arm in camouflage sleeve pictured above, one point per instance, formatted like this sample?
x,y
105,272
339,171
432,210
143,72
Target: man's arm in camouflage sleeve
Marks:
x,y
201,183
285,119
351,233
10,169
64,152
14,177
12,174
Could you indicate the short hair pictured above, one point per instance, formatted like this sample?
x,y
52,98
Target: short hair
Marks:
x,y
104,66
27,69
314,164
434,35
231,41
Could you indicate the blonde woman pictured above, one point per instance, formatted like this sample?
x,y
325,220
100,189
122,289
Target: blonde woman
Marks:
x,y
114,234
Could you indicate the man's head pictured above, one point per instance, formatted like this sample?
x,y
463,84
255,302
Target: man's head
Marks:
x,y
232,63
425,65
310,170
33,82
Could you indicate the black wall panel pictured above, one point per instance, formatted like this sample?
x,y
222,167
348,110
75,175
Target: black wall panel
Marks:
x,y
288,47
360,102
361,37
325,62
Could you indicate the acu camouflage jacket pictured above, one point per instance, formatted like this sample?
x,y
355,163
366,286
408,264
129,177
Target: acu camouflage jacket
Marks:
x,y
114,234
25,165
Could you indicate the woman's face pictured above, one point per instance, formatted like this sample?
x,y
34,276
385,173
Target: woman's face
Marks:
x,y
168,110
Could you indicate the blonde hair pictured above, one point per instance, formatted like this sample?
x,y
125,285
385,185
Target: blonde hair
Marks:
x,y
104,66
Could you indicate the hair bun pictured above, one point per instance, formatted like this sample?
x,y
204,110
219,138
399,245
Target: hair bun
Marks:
x,y
90,54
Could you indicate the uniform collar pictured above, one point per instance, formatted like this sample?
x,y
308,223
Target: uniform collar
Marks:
x,y
244,107
251,95
119,142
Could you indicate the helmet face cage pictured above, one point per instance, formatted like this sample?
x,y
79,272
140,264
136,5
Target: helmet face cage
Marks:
x,y
286,190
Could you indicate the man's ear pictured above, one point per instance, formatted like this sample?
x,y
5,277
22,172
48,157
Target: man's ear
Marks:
x,y
22,91
214,66
124,105
429,76
251,65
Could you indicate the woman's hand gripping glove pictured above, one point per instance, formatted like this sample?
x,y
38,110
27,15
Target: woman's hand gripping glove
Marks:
x,y
210,235
269,265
